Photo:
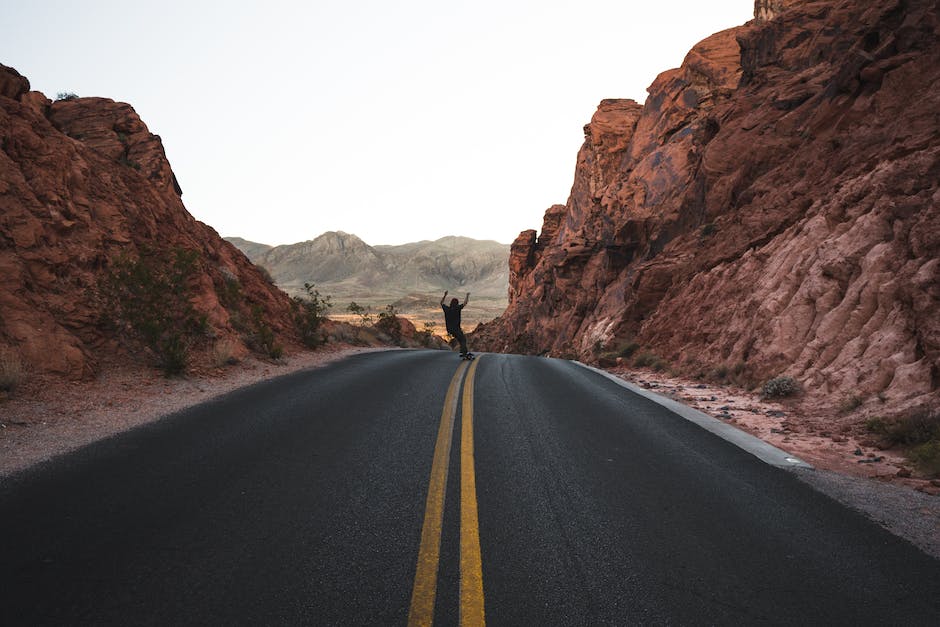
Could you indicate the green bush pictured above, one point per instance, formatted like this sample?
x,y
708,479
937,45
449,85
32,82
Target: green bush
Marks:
x,y
628,349
263,339
65,95
780,387
309,314
850,404
150,297
918,432
426,335
926,456
647,359
388,322
365,316
265,274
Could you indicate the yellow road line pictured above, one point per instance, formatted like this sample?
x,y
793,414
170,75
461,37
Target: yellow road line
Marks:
x,y
471,563
425,586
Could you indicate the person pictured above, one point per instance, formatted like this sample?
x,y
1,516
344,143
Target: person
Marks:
x,y
452,320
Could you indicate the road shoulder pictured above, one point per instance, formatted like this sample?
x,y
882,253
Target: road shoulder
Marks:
x,y
902,510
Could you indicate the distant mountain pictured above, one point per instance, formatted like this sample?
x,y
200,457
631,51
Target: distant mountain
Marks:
x,y
251,249
411,276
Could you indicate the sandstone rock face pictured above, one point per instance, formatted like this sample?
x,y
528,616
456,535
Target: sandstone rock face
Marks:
x,y
83,182
775,205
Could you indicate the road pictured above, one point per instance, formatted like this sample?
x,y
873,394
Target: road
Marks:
x,y
406,486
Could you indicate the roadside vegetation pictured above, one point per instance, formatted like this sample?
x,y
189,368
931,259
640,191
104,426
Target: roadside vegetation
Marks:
x,y
309,313
148,298
918,433
780,387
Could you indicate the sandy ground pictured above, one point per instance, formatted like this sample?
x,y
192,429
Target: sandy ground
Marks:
x,y
44,420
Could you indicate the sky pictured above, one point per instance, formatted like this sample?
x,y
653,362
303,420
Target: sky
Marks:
x,y
397,121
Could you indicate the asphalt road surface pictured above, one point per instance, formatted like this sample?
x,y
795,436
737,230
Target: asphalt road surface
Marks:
x,y
409,486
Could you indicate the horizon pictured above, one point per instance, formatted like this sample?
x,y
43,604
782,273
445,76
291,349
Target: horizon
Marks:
x,y
398,123
368,243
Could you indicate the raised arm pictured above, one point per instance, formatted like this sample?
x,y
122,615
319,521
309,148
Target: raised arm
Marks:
x,y
443,297
466,299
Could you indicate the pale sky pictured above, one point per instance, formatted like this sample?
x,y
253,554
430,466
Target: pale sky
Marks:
x,y
394,120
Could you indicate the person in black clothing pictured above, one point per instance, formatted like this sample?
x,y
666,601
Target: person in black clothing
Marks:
x,y
452,320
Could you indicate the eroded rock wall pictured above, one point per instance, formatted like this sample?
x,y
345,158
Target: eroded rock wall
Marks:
x,y
774,205
83,182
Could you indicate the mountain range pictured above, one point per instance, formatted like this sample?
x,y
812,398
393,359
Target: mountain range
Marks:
x,y
411,276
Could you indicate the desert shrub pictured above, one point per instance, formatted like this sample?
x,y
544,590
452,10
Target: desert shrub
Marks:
x,y
150,297
309,314
850,404
12,372
66,95
720,373
647,359
229,290
262,338
918,432
926,456
365,316
265,274
426,335
390,312
628,349
735,374
918,427
223,353
780,387
388,322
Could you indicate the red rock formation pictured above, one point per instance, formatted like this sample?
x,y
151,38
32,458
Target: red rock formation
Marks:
x,y
83,182
775,203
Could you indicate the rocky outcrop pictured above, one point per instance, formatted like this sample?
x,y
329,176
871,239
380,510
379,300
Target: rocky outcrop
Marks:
x,y
774,206
82,183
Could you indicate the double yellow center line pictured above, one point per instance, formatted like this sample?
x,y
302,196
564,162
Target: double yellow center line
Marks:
x,y
471,565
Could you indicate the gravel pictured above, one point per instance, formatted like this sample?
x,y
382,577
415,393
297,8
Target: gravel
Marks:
x,y
906,513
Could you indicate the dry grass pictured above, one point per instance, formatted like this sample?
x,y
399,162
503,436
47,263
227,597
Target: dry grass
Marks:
x,y
12,371
224,353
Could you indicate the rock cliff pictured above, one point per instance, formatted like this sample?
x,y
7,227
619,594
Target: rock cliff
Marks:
x,y
773,207
84,183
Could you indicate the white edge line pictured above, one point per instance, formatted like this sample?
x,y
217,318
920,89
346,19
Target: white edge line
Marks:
x,y
764,451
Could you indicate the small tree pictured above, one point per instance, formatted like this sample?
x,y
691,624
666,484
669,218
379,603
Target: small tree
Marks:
x,y
427,334
390,312
365,317
309,313
388,322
